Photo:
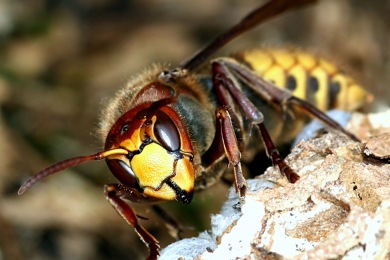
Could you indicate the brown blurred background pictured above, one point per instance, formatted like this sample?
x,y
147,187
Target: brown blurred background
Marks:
x,y
60,60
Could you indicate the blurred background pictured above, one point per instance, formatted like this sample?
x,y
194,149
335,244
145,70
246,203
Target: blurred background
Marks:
x,y
61,61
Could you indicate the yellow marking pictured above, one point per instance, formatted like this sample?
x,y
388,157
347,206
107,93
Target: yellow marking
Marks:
x,y
352,96
283,58
277,75
185,175
357,97
306,60
113,152
321,95
152,166
328,67
259,60
184,179
133,143
164,193
300,75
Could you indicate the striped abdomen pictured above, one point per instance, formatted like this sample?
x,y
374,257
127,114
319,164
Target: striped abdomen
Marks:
x,y
308,77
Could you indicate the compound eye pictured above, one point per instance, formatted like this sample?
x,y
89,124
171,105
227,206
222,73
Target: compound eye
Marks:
x,y
122,172
166,132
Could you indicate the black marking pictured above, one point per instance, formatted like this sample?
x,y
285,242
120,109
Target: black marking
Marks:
x,y
334,90
291,83
181,195
313,85
311,89
145,142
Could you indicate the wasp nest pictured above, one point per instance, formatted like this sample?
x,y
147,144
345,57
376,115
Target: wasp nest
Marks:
x,y
339,209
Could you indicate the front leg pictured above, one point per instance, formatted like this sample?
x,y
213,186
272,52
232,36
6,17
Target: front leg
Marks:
x,y
232,151
114,194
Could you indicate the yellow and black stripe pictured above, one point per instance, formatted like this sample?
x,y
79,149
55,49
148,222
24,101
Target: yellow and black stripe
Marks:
x,y
308,77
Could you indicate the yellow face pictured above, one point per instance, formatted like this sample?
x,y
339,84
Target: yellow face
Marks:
x,y
155,165
157,158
